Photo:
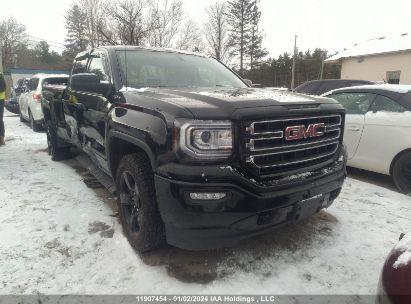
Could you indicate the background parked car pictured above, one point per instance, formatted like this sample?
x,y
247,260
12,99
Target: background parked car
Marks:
x,y
395,281
377,129
30,100
12,105
318,87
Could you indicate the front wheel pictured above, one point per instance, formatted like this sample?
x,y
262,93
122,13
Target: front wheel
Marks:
x,y
137,203
53,148
401,173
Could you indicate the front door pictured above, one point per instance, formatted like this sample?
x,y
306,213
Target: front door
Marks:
x,y
386,133
356,105
96,107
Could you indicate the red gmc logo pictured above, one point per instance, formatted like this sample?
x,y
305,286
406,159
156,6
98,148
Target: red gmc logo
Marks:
x,y
300,132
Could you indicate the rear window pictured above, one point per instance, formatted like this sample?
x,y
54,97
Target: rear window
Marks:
x,y
33,84
56,81
332,85
308,88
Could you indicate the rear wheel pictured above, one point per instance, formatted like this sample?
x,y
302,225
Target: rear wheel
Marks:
x,y
401,173
54,150
21,117
137,203
36,127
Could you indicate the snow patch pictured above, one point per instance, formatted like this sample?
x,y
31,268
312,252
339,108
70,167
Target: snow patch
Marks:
x,y
405,246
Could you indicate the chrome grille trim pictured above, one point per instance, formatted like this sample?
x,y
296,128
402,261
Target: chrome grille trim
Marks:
x,y
259,157
253,140
251,128
251,159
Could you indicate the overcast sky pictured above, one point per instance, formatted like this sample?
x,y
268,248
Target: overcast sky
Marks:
x,y
330,24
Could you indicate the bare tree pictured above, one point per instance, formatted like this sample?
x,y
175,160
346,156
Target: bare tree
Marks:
x,y
190,37
12,36
165,20
216,31
129,20
97,30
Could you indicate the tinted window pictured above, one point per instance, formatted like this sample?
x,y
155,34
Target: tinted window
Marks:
x,y
33,83
331,85
97,67
354,84
385,104
79,66
308,88
354,103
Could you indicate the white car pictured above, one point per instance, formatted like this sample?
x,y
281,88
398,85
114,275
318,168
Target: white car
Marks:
x,y
30,100
378,129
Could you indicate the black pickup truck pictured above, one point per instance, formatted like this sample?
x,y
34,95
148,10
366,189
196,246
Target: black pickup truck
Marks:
x,y
197,156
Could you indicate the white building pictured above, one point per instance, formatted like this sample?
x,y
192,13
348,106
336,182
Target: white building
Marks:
x,y
385,59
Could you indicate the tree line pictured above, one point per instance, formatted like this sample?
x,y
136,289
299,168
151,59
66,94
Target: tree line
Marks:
x,y
231,33
231,29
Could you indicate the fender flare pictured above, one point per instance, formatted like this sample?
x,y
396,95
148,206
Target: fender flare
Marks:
x,y
132,140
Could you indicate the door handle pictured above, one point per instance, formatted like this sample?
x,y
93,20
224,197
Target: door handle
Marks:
x,y
354,129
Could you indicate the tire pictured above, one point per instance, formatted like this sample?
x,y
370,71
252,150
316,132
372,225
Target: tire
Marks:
x,y
36,127
21,117
137,204
53,148
401,173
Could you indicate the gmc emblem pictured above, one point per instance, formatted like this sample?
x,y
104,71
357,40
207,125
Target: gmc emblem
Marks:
x,y
300,132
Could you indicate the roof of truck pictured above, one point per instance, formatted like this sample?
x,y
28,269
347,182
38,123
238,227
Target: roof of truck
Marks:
x,y
132,48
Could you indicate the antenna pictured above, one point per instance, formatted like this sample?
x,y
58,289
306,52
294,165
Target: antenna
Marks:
x,y
125,66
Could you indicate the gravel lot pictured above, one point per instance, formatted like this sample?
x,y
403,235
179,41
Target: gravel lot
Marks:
x,y
59,236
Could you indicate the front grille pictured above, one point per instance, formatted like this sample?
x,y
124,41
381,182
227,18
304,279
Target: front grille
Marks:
x,y
269,151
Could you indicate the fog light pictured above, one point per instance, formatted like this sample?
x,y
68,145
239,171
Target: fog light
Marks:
x,y
207,196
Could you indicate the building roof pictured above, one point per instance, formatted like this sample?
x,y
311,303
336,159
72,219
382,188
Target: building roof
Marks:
x,y
380,45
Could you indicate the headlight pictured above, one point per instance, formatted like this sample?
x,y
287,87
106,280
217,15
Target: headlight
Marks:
x,y
206,139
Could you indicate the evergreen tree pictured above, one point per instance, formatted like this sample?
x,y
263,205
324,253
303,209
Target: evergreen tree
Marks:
x,y
255,50
239,18
76,26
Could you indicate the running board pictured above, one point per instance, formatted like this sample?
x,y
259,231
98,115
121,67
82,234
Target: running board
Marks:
x,y
99,174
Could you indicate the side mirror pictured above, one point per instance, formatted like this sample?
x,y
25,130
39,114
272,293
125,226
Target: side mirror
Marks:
x,y
89,83
248,82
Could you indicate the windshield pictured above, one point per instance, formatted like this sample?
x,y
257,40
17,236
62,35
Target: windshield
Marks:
x,y
162,69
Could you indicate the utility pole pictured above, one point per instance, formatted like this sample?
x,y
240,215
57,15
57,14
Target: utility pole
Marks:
x,y
322,69
294,58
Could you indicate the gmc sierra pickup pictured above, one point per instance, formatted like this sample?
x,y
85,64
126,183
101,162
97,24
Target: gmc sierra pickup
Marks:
x,y
198,158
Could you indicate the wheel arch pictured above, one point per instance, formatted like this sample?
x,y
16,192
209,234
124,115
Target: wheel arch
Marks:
x,y
120,144
408,150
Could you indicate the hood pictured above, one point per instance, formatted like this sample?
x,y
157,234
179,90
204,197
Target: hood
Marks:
x,y
225,101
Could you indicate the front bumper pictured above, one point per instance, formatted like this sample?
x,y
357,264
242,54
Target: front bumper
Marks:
x,y
247,210
37,112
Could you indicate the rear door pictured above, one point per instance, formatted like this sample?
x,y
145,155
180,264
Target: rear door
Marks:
x,y
356,105
386,133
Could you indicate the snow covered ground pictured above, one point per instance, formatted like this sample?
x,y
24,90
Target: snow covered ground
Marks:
x,y
59,236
